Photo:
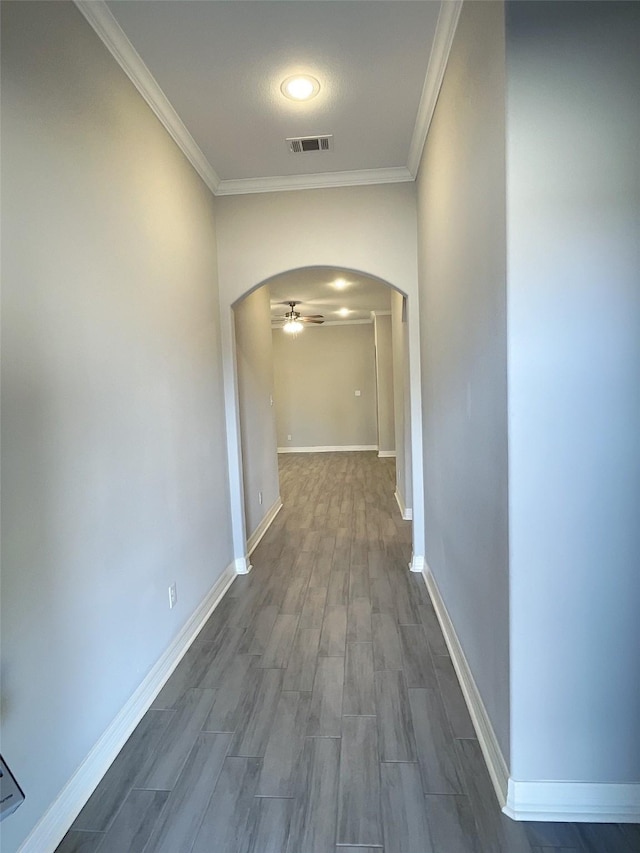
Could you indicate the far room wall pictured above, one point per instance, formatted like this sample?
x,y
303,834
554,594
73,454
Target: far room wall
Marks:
x,y
316,376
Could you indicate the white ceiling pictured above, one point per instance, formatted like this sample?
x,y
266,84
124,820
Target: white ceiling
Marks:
x,y
315,289
212,69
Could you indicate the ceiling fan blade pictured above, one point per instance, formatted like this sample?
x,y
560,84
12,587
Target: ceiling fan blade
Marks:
x,y
313,317
311,320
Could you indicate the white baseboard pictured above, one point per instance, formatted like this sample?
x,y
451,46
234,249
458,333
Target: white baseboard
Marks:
x,y
264,525
491,751
52,826
417,564
382,454
405,512
589,802
242,565
328,448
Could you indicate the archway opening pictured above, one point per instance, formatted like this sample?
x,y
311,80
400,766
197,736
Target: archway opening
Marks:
x,y
342,383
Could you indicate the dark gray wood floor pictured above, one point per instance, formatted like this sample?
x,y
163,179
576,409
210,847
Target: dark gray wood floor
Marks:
x,y
318,707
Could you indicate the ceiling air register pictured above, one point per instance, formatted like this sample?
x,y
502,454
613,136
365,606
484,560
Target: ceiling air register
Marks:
x,y
310,144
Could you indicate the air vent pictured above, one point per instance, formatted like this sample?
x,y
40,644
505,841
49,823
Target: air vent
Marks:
x,y
309,144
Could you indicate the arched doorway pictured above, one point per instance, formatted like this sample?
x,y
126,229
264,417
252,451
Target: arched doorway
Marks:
x,y
368,229
313,376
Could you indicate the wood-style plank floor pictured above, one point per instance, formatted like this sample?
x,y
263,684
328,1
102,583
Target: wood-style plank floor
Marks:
x,y
318,710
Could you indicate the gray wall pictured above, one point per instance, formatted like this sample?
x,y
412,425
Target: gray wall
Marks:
x,y
574,379
254,359
462,280
384,383
315,376
401,399
113,447
370,229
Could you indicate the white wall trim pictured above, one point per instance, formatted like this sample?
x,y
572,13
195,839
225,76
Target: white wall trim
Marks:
x,y
265,524
279,183
383,454
242,565
113,37
443,39
407,514
234,451
417,563
590,802
328,448
491,751
52,826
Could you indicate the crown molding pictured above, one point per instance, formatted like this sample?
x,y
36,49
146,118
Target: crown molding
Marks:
x,y
360,177
113,37
99,17
442,41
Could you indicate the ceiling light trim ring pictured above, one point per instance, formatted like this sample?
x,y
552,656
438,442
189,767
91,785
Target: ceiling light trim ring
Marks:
x,y
300,87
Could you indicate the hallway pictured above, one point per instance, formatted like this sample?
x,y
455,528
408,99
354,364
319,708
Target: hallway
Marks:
x,y
318,706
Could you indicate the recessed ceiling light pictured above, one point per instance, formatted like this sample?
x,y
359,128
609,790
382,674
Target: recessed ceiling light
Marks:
x,y
344,312
300,87
339,284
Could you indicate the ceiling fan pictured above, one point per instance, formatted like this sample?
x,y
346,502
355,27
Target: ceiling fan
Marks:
x,y
294,321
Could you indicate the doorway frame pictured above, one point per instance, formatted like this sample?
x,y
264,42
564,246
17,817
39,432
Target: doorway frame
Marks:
x,y
241,557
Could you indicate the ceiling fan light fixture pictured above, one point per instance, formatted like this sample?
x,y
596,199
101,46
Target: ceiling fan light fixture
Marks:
x,y
292,327
300,87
